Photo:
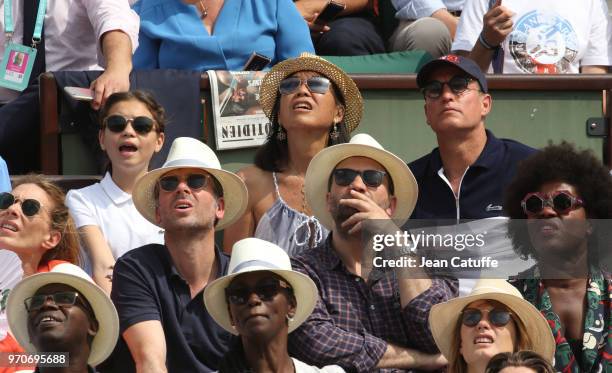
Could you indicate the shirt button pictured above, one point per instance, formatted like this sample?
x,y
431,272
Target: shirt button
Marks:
x,y
357,279
372,307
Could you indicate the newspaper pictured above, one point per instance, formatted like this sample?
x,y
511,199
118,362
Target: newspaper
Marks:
x,y
238,118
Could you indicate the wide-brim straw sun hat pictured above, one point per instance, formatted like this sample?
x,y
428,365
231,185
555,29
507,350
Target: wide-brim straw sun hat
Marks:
x,y
322,165
187,152
65,273
251,255
268,91
444,317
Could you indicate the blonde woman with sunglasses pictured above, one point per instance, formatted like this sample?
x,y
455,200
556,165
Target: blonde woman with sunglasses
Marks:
x,y
131,131
36,226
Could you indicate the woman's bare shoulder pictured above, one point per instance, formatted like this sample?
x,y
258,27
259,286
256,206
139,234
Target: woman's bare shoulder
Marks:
x,y
258,182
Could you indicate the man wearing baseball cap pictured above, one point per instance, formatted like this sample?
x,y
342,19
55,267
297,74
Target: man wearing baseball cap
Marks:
x,y
158,288
465,176
363,323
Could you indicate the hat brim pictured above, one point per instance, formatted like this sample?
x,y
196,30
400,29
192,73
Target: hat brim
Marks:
x,y
304,290
322,165
353,101
234,193
443,319
106,314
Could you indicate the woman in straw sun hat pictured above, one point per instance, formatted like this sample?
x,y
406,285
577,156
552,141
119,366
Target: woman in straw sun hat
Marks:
x,y
493,318
312,104
262,300
64,311
35,224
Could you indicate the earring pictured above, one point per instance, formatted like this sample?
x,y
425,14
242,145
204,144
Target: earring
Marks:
x,y
281,135
289,318
334,134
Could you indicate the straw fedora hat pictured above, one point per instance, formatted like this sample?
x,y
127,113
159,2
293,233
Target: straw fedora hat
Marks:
x,y
254,254
69,274
268,92
187,152
443,317
361,145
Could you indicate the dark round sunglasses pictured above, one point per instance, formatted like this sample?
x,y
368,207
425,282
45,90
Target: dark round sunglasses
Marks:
x,y
371,178
498,316
265,289
194,182
30,207
315,84
457,84
61,299
562,201
117,123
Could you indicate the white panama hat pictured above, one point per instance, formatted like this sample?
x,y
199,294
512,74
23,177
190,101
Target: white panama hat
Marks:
x,y
187,152
361,145
69,274
254,254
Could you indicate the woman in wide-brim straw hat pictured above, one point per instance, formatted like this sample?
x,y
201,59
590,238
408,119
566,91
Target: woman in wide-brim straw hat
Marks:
x,y
493,318
262,300
312,104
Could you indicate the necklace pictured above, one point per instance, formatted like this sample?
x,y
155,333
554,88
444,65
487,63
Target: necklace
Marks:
x,y
203,9
303,199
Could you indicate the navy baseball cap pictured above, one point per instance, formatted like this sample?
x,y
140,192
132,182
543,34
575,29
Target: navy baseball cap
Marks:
x,y
463,63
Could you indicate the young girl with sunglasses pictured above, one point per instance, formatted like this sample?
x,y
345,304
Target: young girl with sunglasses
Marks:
x,y
493,318
559,205
132,130
34,224
312,104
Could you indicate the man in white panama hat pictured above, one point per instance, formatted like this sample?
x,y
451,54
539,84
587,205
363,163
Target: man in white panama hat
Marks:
x,y
363,323
158,288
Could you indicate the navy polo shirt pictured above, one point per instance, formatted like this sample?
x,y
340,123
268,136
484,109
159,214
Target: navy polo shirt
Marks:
x,y
482,189
147,286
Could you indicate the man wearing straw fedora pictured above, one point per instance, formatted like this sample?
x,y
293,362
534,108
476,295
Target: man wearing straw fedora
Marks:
x,y
158,288
361,322
66,317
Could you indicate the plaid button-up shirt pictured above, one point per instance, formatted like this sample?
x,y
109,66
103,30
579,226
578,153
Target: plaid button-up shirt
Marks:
x,y
354,319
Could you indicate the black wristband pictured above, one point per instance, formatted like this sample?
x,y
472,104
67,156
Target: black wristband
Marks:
x,y
485,43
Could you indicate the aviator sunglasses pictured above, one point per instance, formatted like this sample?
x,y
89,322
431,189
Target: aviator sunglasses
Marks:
x,y
194,182
315,84
499,317
371,178
457,84
562,201
266,290
61,299
117,123
30,207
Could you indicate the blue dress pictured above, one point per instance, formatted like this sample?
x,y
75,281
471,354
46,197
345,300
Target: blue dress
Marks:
x,y
172,36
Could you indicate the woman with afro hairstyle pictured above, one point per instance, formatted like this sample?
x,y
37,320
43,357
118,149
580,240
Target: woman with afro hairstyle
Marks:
x,y
558,205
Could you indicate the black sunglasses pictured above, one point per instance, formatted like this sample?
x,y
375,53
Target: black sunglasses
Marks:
x,y
457,84
194,182
266,290
61,299
117,123
315,84
497,316
30,207
562,201
371,178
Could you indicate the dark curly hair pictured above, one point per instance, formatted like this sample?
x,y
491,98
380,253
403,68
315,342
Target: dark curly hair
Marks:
x,y
558,163
272,156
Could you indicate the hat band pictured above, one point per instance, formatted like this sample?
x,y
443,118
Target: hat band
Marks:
x,y
190,163
254,262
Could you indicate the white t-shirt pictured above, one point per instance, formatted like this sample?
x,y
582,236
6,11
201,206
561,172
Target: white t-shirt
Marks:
x,y
548,36
10,275
112,210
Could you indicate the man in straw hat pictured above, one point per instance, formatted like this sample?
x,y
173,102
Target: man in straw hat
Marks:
x,y
64,314
158,288
466,174
363,323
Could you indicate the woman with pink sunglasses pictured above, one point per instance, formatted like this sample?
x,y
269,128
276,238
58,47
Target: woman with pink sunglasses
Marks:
x,y
559,203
